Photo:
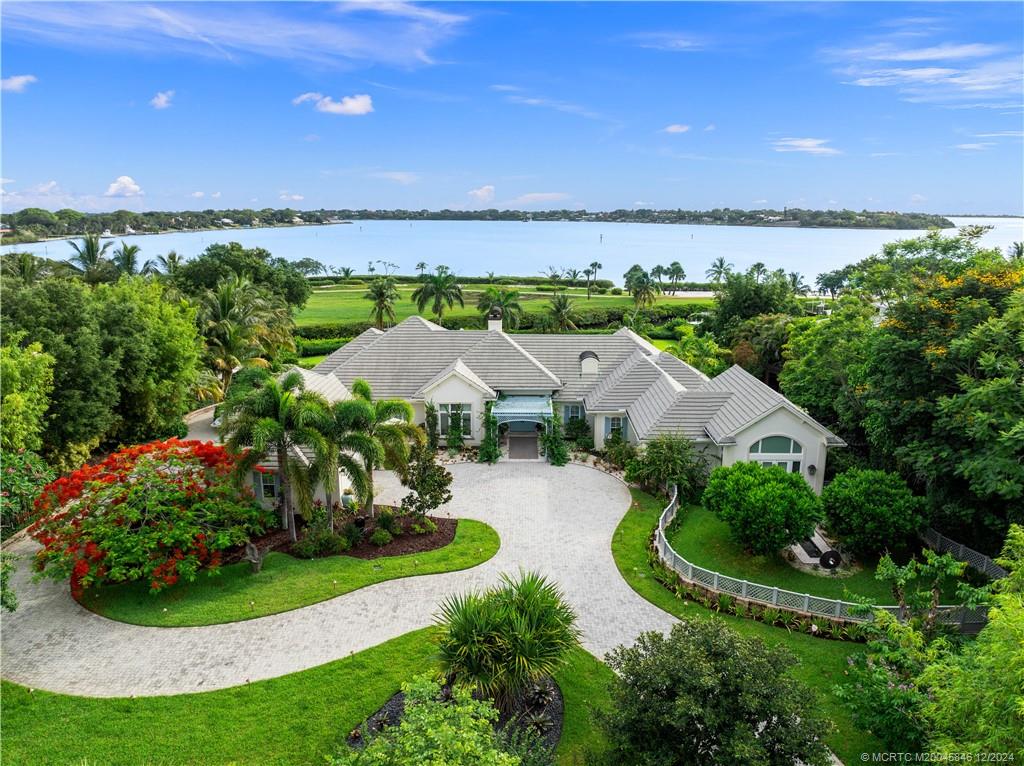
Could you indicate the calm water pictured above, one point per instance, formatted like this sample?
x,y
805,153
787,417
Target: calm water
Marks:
x,y
476,247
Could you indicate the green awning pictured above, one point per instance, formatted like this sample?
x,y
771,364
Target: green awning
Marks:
x,y
534,409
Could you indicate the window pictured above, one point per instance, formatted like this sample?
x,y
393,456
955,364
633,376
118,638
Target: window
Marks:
x,y
264,484
776,445
445,411
615,426
573,412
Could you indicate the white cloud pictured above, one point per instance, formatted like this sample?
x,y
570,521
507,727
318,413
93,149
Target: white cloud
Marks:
x,y
482,195
534,198
940,52
403,177
710,127
197,194
289,197
6,181
676,128
978,147
917,199
123,186
674,42
1002,134
760,202
162,99
559,106
348,105
354,34
215,195
805,145
506,88
16,83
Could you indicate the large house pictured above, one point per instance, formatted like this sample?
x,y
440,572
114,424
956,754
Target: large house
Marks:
x,y
618,384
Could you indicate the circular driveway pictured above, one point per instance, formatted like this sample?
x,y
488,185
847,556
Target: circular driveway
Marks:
x,y
557,521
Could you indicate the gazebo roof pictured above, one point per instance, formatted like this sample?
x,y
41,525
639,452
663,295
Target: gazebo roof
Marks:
x,y
536,409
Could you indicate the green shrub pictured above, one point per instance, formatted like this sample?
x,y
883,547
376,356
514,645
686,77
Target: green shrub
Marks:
x,y
489,449
455,436
871,511
618,451
576,429
387,520
381,537
318,347
668,460
616,291
319,541
424,526
352,534
766,508
429,481
555,447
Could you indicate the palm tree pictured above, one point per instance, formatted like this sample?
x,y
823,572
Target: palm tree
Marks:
x,y
553,273
440,289
595,267
421,267
378,433
657,273
24,266
346,272
797,284
383,293
126,261
506,300
168,264
573,274
676,274
719,270
281,420
562,314
506,639
370,268
1016,251
588,273
758,271
645,289
90,259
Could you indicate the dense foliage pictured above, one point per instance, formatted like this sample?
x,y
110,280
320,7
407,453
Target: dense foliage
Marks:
x,y
159,512
871,511
489,450
669,460
430,483
744,295
705,695
277,276
24,474
26,382
766,508
553,439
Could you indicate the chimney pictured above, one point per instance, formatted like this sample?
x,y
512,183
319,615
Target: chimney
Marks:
x,y
494,319
589,363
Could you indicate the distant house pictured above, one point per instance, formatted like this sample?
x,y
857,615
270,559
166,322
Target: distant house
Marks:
x,y
226,222
296,219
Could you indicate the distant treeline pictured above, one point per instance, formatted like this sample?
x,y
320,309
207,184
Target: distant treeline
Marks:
x,y
32,223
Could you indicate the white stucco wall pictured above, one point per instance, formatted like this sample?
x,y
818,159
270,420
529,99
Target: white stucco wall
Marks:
x,y
782,422
456,390
599,420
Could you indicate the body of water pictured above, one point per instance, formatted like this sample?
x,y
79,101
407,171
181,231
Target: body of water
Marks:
x,y
520,248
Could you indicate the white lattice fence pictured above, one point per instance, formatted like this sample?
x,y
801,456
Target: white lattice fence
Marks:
x,y
942,544
768,595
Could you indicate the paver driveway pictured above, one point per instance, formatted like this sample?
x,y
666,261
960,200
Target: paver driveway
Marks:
x,y
558,521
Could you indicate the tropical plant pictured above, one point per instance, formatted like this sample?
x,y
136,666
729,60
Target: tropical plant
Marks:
x,y
158,512
277,421
871,511
553,273
382,294
507,638
676,274
719,269
507,300
26,383
666,461
377,432
797,284
90,259
562,313
126,261
489,452
1015,252
645,289
8,598
596,267
422,267
25,267
456,436
572,274
24,476
589,273
440,290
430,425
766,508
429,481
705,694
168,264
553,439
700,351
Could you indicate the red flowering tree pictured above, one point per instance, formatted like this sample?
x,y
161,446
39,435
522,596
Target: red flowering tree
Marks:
x,y
160,511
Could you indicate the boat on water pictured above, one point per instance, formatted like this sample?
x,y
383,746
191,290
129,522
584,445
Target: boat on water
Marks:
x,y
106,234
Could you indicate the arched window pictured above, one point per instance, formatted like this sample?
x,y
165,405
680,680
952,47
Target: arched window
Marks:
x,y
778,450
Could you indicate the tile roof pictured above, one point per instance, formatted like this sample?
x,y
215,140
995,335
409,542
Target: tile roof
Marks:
x,y
458,367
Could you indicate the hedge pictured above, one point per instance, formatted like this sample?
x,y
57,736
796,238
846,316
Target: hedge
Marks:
x,y
318,346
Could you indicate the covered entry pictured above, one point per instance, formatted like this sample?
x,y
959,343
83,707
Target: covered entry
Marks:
x,y
520,416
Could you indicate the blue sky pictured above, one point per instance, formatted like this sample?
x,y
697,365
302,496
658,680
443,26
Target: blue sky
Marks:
x,y
523,105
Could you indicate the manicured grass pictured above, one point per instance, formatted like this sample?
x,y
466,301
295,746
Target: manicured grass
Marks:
x,y
284,583
290,721
309,362
822,662
349,305
662,344
702,538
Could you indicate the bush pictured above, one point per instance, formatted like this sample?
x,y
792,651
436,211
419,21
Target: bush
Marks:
x,y
424,526
766,508
352,534
705,694
871,511
554,445
669,460
618,451
24,476
381,537
159,512
576,429
387,520
318,347
616,291
319,541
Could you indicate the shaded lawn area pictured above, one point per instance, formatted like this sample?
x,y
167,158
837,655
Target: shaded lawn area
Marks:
x,y
349,305
822,662
703,539
309,362
290,721
284,583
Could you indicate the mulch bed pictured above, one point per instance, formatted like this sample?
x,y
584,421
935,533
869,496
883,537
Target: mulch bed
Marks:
x,y
391,712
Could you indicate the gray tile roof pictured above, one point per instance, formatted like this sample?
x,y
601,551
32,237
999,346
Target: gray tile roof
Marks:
x,y
680,370
688,413
338,357
561,355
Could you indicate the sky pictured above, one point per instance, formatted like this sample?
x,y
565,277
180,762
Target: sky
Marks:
x,y
172,106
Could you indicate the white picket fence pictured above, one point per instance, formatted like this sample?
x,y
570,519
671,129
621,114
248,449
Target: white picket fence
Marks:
x,y
969,620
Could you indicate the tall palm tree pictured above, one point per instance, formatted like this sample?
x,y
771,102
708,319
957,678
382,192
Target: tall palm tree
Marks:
x,y
382,293
553,273
440,289
797,284
346,272
676,274
422,267
657,273
24,266
719,269
1016,251
506,300
645,290
126,261
562,314
168,264
280,419
573,274
595,267
370,268
90,259
378,433
758,271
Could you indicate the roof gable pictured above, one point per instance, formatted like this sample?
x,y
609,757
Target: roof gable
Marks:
x,y
457,369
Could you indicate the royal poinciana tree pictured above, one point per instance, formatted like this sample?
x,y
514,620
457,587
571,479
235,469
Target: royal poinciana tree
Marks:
x,y
160,512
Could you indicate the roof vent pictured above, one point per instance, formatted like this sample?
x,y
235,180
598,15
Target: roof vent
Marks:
x,y
588,363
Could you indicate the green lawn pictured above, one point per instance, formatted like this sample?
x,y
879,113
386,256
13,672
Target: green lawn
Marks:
x,y
349,305
309,362
822,662
662,344
290,721
703,539
284,583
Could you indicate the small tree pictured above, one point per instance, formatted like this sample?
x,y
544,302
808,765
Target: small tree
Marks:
x,y
431,426
456,436
766,508
24,476
669,460
430,483
554,441
707,695
871,510
489,451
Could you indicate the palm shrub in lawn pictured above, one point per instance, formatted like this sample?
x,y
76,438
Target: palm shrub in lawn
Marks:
x,y
160,512
705,694
871,511
766,508
505,639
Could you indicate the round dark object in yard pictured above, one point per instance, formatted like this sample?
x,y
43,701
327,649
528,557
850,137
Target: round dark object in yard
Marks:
x,y
359,521
830,559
